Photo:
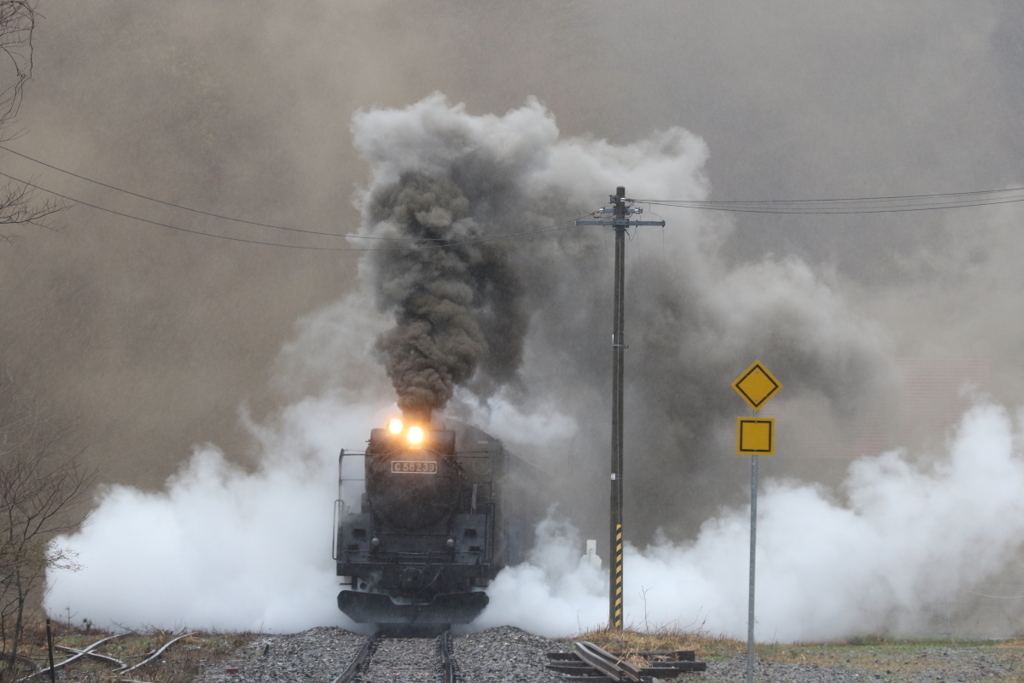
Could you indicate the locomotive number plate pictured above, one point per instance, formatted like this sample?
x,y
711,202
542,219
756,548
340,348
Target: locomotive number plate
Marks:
x,y
414,467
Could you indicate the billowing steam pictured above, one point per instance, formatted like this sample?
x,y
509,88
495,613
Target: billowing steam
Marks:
x,y
905,549
905,546
220,547
476,303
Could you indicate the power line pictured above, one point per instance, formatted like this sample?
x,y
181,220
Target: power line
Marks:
x,y
200,211
851,205
861,199
435,243
177,227
821,206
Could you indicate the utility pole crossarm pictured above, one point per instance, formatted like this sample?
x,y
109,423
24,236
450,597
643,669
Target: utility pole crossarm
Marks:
x,y
620,211
623,222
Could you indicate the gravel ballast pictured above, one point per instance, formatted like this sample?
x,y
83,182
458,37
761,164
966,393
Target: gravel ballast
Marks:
x,y
319,654
507,654
498,654
403,660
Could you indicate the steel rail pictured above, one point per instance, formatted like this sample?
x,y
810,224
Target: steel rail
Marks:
x,y
154,655
448,667
615,668
70,659
97,655
356,666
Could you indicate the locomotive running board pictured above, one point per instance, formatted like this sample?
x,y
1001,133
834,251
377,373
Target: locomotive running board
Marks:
x,y
377,608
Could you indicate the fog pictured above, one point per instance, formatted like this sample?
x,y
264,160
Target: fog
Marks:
x,y
157,340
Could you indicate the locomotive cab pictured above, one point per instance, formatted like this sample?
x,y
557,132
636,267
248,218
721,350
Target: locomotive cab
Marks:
x,y
420,546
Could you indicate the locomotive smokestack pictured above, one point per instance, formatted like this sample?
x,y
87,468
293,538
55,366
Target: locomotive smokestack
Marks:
x,y
421,415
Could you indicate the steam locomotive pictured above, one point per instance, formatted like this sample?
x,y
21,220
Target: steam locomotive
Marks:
x,y
433,526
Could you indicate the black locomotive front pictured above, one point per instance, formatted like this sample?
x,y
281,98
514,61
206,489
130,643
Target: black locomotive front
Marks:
x,y
421,545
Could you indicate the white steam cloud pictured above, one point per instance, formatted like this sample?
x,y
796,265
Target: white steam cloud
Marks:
x,y
221,547
226,549
911,536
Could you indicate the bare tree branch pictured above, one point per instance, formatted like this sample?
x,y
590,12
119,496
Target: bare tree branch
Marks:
x,y
18,203
17,22
42,481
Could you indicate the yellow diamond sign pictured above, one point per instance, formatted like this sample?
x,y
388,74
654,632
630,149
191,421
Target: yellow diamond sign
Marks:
x,y
756,385
755,436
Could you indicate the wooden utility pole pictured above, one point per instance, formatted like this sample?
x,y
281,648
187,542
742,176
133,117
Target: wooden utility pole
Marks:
x,y
620,222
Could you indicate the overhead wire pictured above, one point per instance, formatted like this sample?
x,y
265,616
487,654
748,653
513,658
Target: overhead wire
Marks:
x,y
819,206
432,243
175,227
200,211
851,205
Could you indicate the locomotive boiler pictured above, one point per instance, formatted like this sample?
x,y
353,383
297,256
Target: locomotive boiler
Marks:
x,y
431,527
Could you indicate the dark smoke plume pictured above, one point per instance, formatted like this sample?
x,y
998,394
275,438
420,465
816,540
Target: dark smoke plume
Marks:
x,y
456,305
440,175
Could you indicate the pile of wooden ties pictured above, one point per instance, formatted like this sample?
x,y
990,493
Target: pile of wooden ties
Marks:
x,y
588,663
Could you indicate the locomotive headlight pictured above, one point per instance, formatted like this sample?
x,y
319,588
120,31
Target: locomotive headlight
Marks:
x,y
415,435
395,425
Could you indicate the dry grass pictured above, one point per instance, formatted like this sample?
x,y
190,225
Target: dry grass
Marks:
x,y
876,657
664,638
1015,642
178,664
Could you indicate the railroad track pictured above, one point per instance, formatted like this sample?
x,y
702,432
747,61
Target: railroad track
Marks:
x,y
383,659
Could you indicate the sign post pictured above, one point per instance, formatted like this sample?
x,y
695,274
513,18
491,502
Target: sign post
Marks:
x,y
754,436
